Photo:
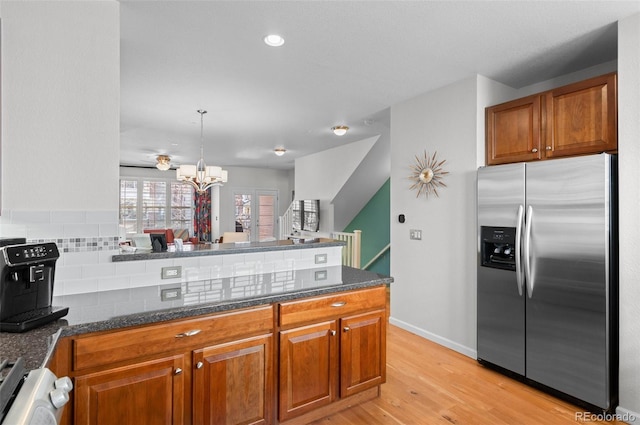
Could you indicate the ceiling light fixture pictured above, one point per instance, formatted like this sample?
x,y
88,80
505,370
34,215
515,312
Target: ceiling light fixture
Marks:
x,y
201,176
340,130
163,162
279,151
273,40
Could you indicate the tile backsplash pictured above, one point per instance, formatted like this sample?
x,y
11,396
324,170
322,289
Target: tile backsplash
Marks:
x,y
88,239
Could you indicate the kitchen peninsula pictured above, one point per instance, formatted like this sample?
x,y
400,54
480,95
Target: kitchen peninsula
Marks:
x,y
274,338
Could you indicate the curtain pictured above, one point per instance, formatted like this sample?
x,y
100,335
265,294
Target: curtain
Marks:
x,y
202,215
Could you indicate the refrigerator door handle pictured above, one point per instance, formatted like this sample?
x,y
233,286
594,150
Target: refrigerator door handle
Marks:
x,y
527,249
519,269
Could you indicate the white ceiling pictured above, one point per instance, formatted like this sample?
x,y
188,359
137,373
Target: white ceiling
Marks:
x,y
343,63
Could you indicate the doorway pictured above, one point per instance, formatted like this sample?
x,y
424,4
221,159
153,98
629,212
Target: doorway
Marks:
x,y
256,212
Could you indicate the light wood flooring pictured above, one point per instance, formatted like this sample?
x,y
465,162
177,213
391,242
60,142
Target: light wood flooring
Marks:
x,y
430,384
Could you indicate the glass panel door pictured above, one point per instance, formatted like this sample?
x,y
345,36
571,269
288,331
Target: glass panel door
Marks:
x,y
256,213
267,213
242,212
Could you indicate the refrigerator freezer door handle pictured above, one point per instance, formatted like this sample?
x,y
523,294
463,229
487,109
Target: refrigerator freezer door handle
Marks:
x,y
519,270
527,248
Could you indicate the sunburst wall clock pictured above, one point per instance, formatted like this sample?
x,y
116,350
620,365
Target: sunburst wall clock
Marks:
x,y
427,174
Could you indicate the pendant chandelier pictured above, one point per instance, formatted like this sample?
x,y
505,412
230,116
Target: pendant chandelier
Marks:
x,y
201,176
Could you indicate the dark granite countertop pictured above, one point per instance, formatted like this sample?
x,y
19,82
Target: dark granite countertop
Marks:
x,y
110,310
228,248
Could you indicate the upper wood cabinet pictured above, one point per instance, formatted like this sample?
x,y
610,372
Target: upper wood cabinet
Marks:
x,y
576,119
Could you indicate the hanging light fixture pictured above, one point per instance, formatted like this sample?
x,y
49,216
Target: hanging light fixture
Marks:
x,y
201,176
164,162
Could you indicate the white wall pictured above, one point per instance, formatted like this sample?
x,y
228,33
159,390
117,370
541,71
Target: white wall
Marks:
x,y
629,189
60,114
322,176
434,291
245,178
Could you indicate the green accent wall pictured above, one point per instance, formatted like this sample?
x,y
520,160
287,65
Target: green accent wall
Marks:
x,y
375,222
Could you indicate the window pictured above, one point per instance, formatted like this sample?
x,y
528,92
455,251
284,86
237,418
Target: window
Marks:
x,y
155,204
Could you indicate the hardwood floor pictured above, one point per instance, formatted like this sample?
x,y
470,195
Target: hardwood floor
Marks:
x,y
430,384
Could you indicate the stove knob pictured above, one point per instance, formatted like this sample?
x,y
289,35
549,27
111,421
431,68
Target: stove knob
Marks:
x,y
64,383
59,397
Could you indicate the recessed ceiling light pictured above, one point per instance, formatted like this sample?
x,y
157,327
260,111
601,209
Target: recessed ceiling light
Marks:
x,y
274,40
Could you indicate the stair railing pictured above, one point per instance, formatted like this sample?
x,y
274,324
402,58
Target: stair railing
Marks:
x,y
351,252
378,255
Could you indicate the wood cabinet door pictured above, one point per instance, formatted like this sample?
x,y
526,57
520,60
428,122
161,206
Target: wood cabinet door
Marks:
x,y
582,118
233,383
150,392
513,131
362,352
308,368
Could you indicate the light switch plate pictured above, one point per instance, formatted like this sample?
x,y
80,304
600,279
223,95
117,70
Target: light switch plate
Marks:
x,y
415,234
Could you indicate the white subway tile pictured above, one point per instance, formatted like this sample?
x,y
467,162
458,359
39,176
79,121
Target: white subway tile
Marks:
x,y
67,272
254,257
103,217
81,286
211,260
65,217
130,267
106,255
81,230
44,231
31,217
99,270
80,258
274,256
108,229
111,283
13,230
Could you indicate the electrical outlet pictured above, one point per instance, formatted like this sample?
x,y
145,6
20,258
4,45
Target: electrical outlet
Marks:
x,y
171,272
170,294
415,234
321,275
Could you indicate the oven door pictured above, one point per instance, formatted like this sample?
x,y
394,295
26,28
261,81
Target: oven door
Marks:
x,y
40,400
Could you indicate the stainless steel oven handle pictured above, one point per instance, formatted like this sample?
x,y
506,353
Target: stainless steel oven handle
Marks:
x,y
519,271
527,251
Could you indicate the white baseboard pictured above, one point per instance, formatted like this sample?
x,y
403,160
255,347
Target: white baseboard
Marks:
x,y
622,414
435,338
627,416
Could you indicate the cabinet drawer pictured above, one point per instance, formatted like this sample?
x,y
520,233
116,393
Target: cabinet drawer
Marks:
x,y
331,306
132,344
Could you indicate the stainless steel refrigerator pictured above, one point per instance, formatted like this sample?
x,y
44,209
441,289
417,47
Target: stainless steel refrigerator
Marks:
x,y
547,275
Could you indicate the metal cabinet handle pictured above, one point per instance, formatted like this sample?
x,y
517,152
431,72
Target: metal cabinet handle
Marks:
x,y
339,304
548,148
527,250
199,365
534,150
519,268
188,333
333,333
346,329
178,371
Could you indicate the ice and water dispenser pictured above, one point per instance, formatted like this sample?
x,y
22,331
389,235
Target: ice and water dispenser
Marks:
x,y
498,247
